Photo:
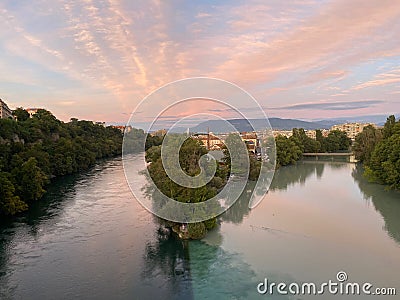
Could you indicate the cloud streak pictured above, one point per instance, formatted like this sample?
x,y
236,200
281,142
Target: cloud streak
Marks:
x,y
330,105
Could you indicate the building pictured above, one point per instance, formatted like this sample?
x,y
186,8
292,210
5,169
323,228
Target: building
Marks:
x,y
213,142
160,132
32,111
286,133
311,134
209,140
100,123
351,129
251,141
123,129
325,132
5,111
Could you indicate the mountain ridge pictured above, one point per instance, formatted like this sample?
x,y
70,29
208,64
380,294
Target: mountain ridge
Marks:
x,y
220,126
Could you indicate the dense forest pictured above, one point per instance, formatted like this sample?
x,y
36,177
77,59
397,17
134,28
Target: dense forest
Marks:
x,y
289,150
34,150
379,151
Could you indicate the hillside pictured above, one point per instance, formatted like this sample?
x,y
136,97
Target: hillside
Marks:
x,y
219,126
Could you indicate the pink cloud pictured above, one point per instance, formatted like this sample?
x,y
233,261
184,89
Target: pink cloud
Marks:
x,y
381,80
319,41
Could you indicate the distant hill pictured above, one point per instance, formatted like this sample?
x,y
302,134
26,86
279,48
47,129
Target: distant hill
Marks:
x,y
376,119
220,126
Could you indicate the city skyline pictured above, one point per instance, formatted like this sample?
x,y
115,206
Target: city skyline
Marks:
x,y
299,59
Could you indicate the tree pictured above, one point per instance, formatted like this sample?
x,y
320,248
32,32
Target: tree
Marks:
x,y
288,152
21,114
320,138
31,180
10,204
365,143
255,167
383,165
198,230
337,141
41,147
234,158
304,142
153,141
189,157
389,126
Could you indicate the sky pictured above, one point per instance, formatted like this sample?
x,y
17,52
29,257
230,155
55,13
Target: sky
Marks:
x,y
304,59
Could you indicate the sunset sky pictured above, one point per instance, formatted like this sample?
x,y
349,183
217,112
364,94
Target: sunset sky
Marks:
x,y
301,59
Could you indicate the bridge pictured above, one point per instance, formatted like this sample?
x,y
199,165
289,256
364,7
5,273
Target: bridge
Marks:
x,y
350,155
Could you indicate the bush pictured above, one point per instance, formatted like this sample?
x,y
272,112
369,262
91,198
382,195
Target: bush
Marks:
x,y
196,230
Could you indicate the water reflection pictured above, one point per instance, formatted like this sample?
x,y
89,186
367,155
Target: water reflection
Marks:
x,y
196,270
46,211
284,177
385,201
298,173
167,260
240,208
218,274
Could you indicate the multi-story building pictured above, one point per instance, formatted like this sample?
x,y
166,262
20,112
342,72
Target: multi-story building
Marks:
x,y
311,134
286,133
351,129
213,142
209,140
251,140
5,111
325,132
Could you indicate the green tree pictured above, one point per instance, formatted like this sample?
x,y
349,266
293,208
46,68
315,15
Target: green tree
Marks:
x,y
234,149
287,151
33,149
365,143
31,180
153,141
21,114
197,230
320,139
255,167
337,141
10,204
384,163
389,126
189,157
304,142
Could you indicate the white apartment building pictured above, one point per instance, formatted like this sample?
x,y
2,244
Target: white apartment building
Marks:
x,y
351,129
5,111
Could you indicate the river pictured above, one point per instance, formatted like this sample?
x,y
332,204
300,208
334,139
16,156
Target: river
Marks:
x,y
89,239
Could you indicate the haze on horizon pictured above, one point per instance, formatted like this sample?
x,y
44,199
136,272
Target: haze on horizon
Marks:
x,y
303,59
